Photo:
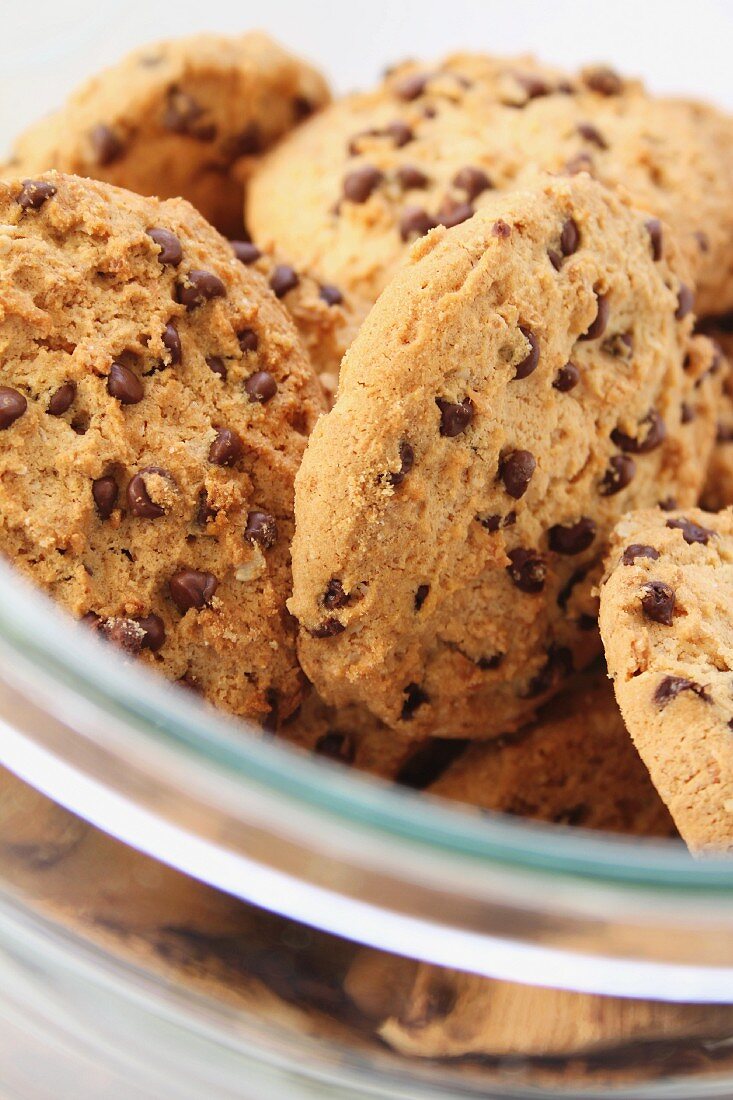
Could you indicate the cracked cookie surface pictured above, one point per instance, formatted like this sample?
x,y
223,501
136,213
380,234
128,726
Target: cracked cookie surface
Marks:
x,y
154,404
525,380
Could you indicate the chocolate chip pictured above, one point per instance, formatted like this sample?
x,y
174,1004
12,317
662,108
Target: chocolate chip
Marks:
x,y
400,132
515,470
62,400
670,687
246,252
668,504
598,325
558,666
501,229
90,618
534,85
330,294
336,746
172,342
334,596
106,144
182,115
454,213
124,384
329,628
687,413
473,181
361,183
415,222
573,539
691,532
302,107
454,418
563,596
658,602
412,86
587,622
415,697
529,363
411,177
655,435
247,143
703,242
654,229
191,589
261,387
407,461
138,498
154,631
555,258
105,493
217,366
685,302
603,80
421,595
638,550
124,633
261,529
170,252
248,339
724,433
566,378
569,237
429,761
12,406
620,472
494,522
226,449
527,570
34,194
283,279
198,287
592,134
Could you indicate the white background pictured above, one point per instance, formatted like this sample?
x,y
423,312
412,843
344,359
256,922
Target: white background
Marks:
x,y
678,45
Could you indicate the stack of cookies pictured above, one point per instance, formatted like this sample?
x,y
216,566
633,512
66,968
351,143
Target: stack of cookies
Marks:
x,y
371,477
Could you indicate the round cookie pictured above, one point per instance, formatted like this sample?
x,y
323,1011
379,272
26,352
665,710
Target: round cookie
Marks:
x,y
428,145
575,766
185,117
667,631
497,413
154,405
322,315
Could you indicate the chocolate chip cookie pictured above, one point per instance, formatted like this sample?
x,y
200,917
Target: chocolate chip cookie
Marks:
x,y
185,117
321,312
576,766
718,490
666,625
154,405
430,144
524,381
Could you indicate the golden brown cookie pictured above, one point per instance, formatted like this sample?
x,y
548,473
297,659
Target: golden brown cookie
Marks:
x,y
526,379
185,117
576,766
668,634
718,490
154,404
322,315
346,194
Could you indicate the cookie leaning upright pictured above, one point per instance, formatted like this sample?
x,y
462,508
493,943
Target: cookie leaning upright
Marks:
x,y
525,380
185,117
154,404
668,634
